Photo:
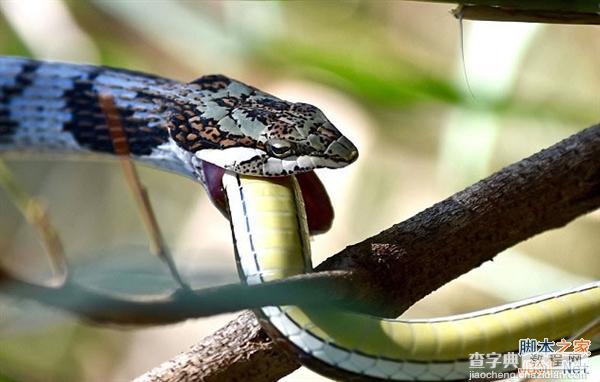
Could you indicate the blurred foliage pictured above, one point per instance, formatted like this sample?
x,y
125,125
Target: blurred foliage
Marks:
x,y
382,77
394,83
10,43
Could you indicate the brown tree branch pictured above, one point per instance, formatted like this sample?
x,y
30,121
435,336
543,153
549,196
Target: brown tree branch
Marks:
x,y
542,192
242,345
409,260
493,13
533,11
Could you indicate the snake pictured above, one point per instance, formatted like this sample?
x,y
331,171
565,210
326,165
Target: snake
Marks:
x,y
255,154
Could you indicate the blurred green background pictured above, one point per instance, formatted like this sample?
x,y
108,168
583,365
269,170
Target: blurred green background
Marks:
x,y
389,74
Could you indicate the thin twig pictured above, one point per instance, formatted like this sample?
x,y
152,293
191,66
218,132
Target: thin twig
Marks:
x,y
36,215
119,140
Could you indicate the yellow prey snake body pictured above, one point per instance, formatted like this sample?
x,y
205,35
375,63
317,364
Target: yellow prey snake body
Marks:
x,y
271,240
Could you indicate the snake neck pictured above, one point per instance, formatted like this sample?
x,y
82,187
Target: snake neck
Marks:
x,y
55,108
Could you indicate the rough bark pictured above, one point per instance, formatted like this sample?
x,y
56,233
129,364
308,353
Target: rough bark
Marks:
x,y
404,263
241,344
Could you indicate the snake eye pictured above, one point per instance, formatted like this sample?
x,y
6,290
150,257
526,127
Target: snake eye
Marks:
x,y
279,148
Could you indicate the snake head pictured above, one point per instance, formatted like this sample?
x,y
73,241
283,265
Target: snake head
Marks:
x,y
247,131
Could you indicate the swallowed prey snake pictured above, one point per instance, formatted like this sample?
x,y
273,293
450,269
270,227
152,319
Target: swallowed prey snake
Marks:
x,y
254,153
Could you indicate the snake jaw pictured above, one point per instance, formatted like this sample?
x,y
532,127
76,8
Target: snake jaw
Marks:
x,y
257,162
319,211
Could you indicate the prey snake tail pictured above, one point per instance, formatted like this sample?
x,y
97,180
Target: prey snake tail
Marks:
x,y
231,138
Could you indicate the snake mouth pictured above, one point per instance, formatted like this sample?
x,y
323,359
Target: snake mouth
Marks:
x,y
256,162
319,211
